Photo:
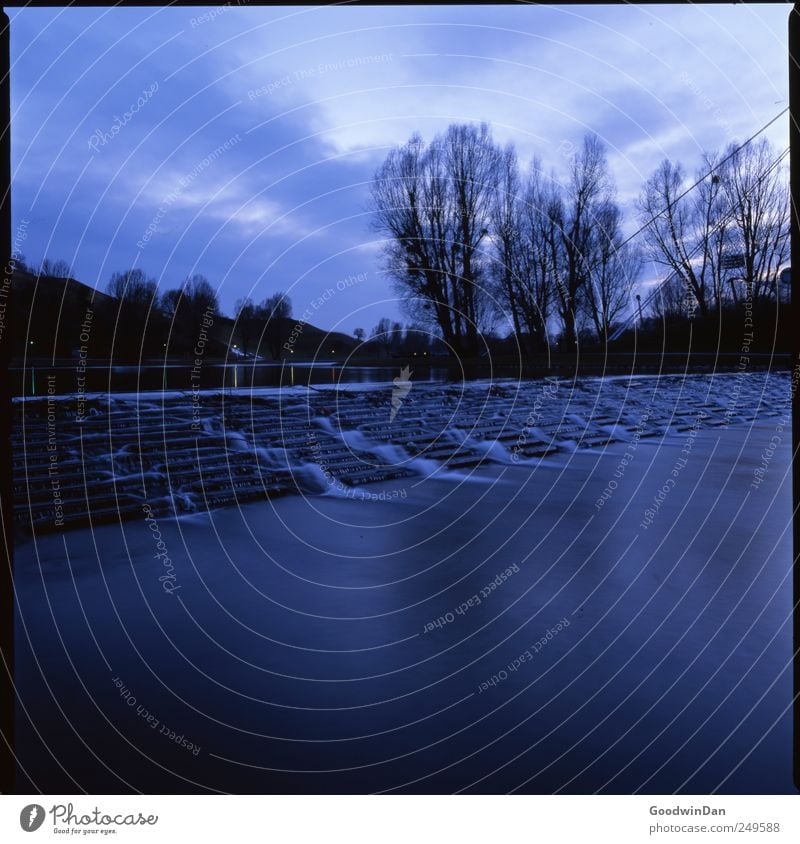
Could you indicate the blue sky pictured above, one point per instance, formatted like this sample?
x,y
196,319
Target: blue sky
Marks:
x,y
246,138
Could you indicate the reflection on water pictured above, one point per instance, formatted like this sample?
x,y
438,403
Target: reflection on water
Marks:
x,y
61,380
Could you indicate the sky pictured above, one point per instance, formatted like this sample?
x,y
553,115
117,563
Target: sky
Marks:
x,y
240,142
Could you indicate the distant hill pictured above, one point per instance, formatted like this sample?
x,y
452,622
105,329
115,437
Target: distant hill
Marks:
x,y
49,315
64,318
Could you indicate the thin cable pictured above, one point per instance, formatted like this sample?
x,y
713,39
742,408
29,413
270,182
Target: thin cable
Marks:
x,y
703,178
657,288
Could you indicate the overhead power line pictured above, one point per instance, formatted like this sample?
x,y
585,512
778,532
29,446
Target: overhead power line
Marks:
x,y
722,221
716,167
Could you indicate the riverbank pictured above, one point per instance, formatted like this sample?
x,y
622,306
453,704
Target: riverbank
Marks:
x,y
242,373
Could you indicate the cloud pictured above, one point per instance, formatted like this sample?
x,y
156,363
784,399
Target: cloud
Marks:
x,y
316,96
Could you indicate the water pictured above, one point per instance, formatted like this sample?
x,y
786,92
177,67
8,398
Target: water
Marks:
x,y
62,380
299,653
34,379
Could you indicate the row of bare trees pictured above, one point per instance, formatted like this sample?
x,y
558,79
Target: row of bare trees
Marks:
x,y
169,321
259,327
725,240
471,238
393,339
187,303
559,252
184,307
142,320
263,327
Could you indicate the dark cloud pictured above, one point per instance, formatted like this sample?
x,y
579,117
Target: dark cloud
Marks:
x,y
250,160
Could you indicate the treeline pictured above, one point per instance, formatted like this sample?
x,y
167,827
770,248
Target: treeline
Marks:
x,y
393,340
263,329
132,320
474,241
723,242
491,256
57,316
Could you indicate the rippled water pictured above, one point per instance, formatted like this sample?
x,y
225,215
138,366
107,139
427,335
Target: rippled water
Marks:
x,y
327,644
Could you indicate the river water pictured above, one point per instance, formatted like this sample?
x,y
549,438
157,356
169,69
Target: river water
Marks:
x,y
35,380
489,631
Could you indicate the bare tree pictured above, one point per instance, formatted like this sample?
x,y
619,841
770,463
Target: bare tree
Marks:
x,y
669,300
433,203
381,336
542,257
729,236
274,311
136,328
134,288
277,305
20,264
190,308
397,338
246,319
200,296
471,160
169,302
587,193
528,250
614,267
417,340
686,233
507,238
757,204
55,269
670,232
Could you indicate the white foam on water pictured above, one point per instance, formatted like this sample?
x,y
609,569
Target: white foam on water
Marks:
x,y
275,458
357,441
209,425
185,500
310,478
392,454
325,424
494,450
456,435
425,467
236,441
